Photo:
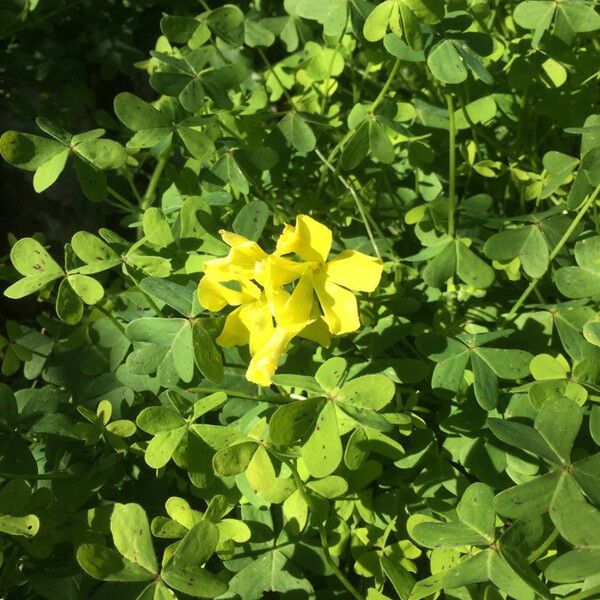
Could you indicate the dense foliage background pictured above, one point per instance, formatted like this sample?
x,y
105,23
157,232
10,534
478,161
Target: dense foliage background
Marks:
x,y
447,449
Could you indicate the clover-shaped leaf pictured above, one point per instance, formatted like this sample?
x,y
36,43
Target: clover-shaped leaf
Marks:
x,y
134,559
487,364
563,490
152,126
583,280
48,157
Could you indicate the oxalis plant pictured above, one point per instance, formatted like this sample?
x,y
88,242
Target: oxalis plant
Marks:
x,y
340,336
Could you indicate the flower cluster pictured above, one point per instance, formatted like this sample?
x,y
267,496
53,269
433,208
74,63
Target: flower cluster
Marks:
x,y
278,298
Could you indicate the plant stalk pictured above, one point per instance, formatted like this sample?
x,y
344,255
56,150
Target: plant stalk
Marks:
x,y
323,536
451,166
357,200
563,240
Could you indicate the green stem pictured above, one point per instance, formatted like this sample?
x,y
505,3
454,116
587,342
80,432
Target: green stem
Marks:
x,y
113,319
124,203
451,166
591,593
243,395
323,535
39,476
542,549
151,302
270,67
563,240
386,86
357,200
148,196
330,68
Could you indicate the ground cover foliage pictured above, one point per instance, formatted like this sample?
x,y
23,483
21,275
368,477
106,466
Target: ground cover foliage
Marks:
x,y
446,448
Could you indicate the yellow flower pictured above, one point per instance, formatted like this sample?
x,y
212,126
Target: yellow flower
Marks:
x,y
228,281
274,296
331,281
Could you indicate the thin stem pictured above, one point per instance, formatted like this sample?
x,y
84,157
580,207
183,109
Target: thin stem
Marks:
x,y
276,75
243,395
39,476
386,86
323,535
590,593
451,166
330,68
113,319
148,196
124,203
151,302
563,240
357,200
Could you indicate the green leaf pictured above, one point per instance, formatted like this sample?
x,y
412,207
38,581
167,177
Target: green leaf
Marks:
x,y
27,526
227,22
105,564
95,253
475,510
527,499
297,132
49,172
28,151
446,535
162,447
103,154
136,114
523,437
332,14
584,280
234,459
368,391
471,269
183,352
199,145
446,63
29,257
131,535
526,243
292,422
69,306
156,227
575,565
87,288
558,423
208,359
402,581
172,294
322,452
330,373
379,143
530,13
251,220
155,419
377,22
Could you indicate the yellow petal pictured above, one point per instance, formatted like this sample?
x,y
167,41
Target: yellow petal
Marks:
x,y
257,319
241,261
355,270
317,331
264,363
234,333
296,313
277,271
214,296
243,245
309,239
339,306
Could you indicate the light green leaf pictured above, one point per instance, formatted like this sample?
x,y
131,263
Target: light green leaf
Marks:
x,y
322,453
